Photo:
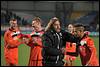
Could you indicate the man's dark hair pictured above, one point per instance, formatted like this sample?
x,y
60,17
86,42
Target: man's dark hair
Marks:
x,y
79,25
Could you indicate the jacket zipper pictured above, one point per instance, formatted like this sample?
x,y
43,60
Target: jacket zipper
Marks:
x,y
58,47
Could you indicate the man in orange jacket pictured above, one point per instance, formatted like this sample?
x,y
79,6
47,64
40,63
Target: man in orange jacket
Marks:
x,y
87,49
12,39
35,42
70,47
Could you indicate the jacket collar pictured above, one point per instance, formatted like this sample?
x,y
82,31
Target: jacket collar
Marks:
x,y
11,29
83,37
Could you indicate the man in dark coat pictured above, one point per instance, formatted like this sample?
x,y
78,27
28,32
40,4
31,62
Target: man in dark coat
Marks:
x,y
54,41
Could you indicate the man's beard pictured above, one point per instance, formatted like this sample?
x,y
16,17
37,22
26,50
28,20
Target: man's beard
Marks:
x,y
58,30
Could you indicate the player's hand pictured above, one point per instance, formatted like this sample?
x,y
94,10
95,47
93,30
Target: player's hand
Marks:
x,y
87,64
17,37
63,50
34,39
8,46
83,42
25,40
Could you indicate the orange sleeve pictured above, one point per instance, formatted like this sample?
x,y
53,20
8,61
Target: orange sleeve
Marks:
x,y
92,49
5,37
90,43
11,42
30,40
30,43
39,42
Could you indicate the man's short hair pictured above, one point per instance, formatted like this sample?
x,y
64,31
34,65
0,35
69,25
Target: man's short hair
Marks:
x,y
80,26
12,19
37,19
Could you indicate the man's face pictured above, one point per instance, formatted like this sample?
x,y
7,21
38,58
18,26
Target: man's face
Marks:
x,y
70,27
35,25
77,32
56,26
13,23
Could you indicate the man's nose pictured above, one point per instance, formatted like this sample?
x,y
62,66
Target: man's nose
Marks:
x,y
58,26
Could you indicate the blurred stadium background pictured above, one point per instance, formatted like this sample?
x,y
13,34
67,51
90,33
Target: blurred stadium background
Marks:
x,y
86,12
